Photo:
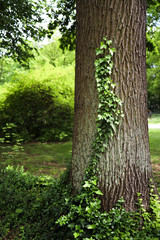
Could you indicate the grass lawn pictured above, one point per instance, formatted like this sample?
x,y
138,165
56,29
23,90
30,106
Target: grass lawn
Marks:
x,y
52,158
154,119
42,158
154,139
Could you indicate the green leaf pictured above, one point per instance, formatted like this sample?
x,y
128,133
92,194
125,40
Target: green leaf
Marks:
x,y
87,184
89,210
76,234
19,210
112,50
94,182
98,192
99,51
109,42
103,45
93,226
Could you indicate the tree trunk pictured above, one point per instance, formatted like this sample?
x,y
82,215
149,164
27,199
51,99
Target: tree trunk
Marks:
x,y
125,167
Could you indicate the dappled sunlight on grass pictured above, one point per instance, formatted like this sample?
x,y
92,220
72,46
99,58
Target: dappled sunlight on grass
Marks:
x,y
52,158
43,158
154,139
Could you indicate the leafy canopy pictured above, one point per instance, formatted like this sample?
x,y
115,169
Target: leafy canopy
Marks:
x,y
64,17
153,74
21,21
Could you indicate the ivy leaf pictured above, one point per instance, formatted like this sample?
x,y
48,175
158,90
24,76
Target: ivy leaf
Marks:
x,y
19,210
89,210
96,63
112,50
87,184
103,45
94,182
76,234
98,192
93,226
99,51
109,42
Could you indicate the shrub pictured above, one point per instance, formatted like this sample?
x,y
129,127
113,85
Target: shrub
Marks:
x,y
10,151
40,111
31,207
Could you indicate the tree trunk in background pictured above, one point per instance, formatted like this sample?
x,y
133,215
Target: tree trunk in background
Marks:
x,y
125,167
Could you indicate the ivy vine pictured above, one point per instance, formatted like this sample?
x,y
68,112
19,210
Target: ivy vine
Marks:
x,y
84,208
109,109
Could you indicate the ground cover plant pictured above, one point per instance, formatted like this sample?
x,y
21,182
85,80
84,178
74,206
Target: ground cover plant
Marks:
x,y
31,206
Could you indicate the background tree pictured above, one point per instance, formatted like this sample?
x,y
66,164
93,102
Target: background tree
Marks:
x,y
21,21
49,57
153,75
63,17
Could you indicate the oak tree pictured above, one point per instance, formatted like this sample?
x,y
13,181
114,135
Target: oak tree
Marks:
x,y
125,166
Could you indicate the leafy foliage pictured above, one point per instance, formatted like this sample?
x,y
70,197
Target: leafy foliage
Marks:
x,y
64,18
64,15
21,20
51,55
39,100
153,12
40,111
153,76
46,63
30,206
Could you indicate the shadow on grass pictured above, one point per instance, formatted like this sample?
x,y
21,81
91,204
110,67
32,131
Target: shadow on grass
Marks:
x,y
41,158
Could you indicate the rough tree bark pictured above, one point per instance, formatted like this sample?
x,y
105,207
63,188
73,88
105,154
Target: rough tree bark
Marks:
x,y
125,167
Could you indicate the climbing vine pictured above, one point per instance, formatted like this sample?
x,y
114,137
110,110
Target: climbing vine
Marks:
x,y
109,109
85,206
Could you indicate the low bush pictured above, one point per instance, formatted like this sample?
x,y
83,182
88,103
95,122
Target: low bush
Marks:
x,y
30,206
39,110
42,208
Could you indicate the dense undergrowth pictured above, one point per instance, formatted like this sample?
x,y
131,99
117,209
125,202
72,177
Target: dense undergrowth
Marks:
x,y
30,207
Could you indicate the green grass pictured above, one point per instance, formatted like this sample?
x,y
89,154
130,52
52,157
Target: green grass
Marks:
x,y
155,119
52,158
154,136
154,139
42,158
